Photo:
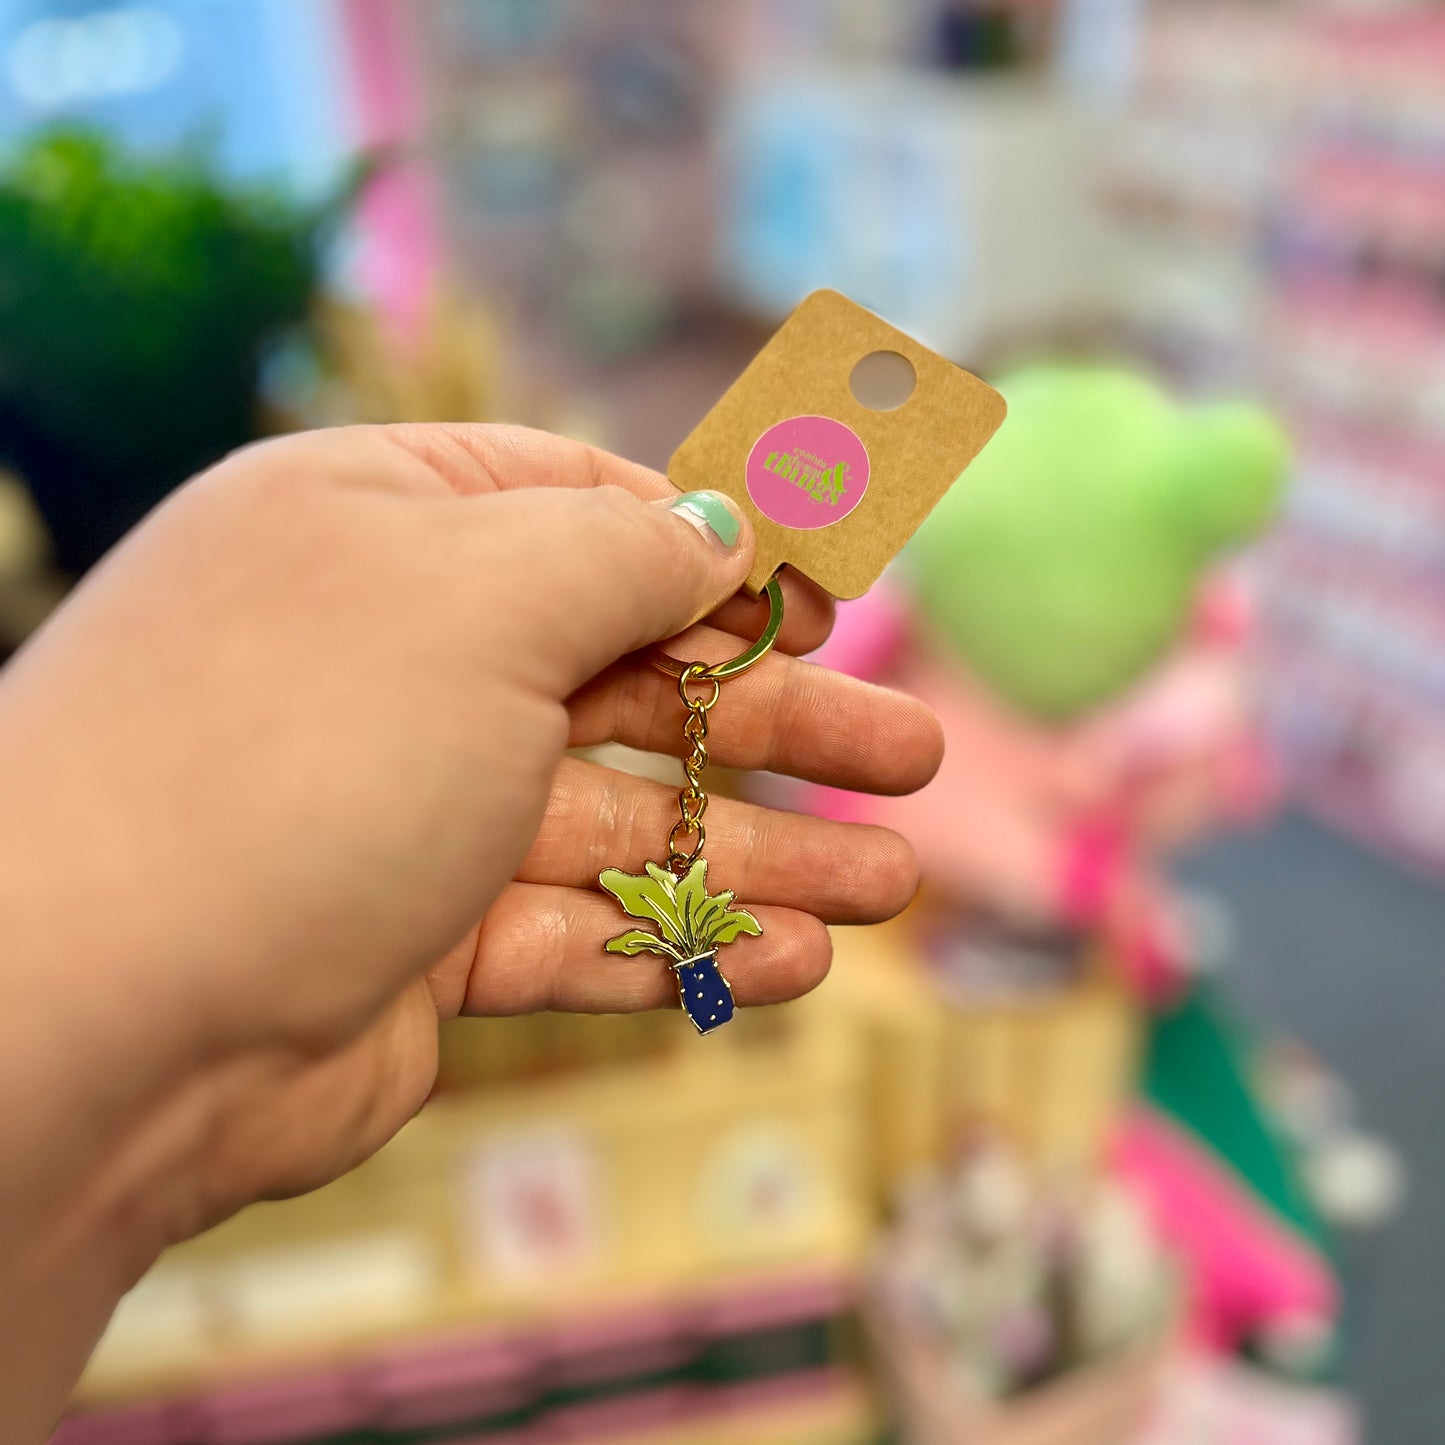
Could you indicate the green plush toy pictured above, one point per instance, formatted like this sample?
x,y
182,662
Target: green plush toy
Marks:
x,y
1066,559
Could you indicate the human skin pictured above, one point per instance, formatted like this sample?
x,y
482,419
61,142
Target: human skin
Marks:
x,y
285,783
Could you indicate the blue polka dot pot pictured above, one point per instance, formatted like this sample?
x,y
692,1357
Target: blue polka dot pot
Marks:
x,y
706,996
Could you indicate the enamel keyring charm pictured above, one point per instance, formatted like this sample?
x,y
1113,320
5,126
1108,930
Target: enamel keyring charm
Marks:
x,y
686,924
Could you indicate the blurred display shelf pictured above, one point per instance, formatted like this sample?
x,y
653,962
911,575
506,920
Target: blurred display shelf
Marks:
x,y
1282,191
843,1412
609,168
741,1365
535,1201
574,147
959,208
603,1199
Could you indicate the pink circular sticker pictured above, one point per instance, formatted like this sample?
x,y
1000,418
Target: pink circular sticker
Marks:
x,y
808,472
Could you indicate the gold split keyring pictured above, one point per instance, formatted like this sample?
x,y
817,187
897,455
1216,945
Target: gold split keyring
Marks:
x,y
722,671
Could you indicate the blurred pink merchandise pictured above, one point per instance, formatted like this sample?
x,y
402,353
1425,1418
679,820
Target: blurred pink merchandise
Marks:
x,y
1051,824
1244,1266
1214,1400
300,1407
151,1424
400,221
586,1354
428,1384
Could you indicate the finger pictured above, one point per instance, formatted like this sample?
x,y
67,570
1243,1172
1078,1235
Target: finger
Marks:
x,y
475,458
599,818
615,558
605,573
785,716
541,947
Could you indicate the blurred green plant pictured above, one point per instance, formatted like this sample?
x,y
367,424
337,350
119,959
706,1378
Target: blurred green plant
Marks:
x,y
138,299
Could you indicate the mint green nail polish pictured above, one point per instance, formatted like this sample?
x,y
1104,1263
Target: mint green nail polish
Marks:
x,y
709,512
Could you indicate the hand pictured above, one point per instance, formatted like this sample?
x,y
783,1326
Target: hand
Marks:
x,y
285,783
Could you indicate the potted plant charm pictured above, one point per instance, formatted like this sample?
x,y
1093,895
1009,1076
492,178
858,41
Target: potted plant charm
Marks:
x,y
691,925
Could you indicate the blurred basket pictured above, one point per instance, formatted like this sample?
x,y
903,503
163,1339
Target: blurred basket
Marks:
x,y
1105,1403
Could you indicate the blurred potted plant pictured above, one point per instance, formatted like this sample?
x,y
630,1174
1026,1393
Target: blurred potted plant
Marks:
x,y
1014,1309
138,299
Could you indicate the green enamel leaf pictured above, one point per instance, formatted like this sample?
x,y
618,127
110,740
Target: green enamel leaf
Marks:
x,y
661,877
689,920
636,942
713,909
650,896
692,896
731,926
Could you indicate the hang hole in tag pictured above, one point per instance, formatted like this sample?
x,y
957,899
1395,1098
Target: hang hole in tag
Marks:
x,y
883,381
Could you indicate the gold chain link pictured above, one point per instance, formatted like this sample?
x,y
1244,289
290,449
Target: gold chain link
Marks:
x,y
692,800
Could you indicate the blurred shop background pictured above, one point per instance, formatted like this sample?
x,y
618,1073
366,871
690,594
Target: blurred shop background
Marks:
x,y
1129,1132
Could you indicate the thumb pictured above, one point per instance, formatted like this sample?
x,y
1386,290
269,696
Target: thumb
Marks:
x,y
617,573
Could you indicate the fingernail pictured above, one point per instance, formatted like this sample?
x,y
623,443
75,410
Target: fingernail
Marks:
x,y
713,515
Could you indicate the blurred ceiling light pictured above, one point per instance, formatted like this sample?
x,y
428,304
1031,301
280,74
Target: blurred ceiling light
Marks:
x,y
100,56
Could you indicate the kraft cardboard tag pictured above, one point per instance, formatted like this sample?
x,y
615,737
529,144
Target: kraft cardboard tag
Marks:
x,y
834,487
